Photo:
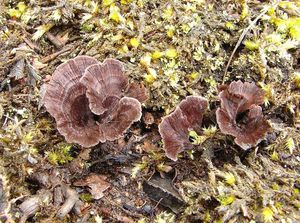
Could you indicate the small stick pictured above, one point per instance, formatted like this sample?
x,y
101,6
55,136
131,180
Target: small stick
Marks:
x,y
71,198
141,25
158,203
58,44
264,11
31,45
52,8
56,54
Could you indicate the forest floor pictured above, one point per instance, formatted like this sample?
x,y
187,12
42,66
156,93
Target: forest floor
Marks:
x,y
176,49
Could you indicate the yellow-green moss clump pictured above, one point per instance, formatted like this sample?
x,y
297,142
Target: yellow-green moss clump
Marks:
x,y
261,191
175,48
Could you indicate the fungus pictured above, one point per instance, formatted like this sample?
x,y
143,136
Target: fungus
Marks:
x,y
137,91
89,100
240,114
65,99
174,128
120,118
112,98
106,84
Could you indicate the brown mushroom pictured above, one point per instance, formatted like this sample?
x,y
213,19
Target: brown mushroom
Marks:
x,y
240,114
119,119
174,128
137,91
105,85
65,99
87,100
112,98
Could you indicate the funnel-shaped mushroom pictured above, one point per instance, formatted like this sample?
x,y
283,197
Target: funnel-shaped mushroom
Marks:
x,y
65,99
106,84
120,118
174,128
240,114
89,103
111,97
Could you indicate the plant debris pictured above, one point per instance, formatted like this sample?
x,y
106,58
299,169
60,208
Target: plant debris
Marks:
x,y
96,183
162,191
164,52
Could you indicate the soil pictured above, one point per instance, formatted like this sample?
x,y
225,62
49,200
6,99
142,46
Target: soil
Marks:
x,y
174,49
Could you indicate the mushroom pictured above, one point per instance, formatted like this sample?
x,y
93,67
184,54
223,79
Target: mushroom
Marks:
x,y
65,99
120,118
112,98
240,114
88,100
137,91
174,128
106,84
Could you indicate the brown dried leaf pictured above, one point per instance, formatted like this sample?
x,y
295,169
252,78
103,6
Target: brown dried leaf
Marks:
x,y
96,183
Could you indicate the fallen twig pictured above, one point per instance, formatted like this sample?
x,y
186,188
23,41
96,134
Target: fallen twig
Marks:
x,y
32,45
71,198
56,54
52,8
246,30
56,42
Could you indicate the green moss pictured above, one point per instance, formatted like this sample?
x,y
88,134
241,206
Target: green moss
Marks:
x,y
60,155
86,197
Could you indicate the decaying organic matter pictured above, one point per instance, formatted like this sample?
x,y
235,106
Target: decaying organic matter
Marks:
x,y
175,127
97,185
162,191
172,49
237,98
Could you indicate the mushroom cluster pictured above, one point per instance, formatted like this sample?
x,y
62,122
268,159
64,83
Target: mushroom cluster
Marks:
x,y
240,114
93,102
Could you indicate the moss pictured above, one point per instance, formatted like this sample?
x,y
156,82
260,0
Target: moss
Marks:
x,y
86,197
60,155
176,49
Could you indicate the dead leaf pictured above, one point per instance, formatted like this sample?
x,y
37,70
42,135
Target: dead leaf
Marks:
x,y
96,183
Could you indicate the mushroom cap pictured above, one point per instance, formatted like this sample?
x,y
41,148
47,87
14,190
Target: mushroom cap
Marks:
x,y
105,83
112,98
118,119
65,99
237,98
249,134
87,100
137,91
174,128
